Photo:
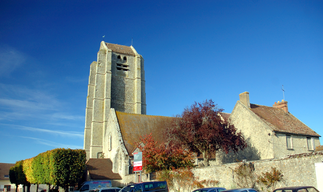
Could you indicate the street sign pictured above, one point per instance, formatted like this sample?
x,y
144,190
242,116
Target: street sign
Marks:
x,y
137,161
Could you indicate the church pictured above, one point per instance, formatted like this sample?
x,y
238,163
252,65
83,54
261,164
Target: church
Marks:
x,y
116,118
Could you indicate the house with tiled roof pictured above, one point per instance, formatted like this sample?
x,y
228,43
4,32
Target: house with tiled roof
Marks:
x,y
271,132
4,177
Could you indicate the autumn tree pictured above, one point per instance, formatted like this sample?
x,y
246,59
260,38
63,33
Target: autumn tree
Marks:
x,y
201,130
162,156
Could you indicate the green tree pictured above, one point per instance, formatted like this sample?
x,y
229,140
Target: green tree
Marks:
x,y
68,167
13,177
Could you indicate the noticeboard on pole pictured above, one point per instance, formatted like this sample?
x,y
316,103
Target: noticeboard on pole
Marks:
x,y
137,161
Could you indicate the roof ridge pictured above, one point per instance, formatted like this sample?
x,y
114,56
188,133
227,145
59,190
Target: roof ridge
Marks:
x,y
136,114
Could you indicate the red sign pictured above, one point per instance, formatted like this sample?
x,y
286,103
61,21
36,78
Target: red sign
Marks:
x,y
139,168
137,164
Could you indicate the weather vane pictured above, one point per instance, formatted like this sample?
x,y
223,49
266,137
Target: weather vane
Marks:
x,y
283,92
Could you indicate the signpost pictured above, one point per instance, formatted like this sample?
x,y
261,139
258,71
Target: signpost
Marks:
x,y
137,163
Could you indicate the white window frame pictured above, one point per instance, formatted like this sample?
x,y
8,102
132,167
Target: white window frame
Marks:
x,y
312,146
290,144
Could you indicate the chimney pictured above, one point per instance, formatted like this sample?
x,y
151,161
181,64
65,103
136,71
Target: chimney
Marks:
x,y
244,98
281,105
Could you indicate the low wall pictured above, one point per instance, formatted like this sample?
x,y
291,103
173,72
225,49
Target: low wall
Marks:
x,y
297,170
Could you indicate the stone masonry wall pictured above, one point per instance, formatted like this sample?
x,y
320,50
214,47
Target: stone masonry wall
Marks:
x,y
256,133
299,145
297,170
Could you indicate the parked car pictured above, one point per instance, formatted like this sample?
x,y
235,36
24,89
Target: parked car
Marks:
x,y
153,186
297,189
210,189
88,186
241,190
108,189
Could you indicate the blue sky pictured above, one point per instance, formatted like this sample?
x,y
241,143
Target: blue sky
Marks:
x,y
193,51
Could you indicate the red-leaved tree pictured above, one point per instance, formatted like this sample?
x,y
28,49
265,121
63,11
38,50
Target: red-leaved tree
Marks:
x,y
161,156
201,129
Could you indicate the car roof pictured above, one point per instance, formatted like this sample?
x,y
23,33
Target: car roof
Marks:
x,y
294,187
210,188
240,189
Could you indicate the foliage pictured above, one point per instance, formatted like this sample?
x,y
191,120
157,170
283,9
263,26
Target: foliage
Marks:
x,y
67,166
201,129
183,177
157,157
29,170
245,176
270,179
58,167
12,175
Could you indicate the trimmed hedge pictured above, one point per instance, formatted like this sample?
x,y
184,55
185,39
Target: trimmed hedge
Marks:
x,y
60,167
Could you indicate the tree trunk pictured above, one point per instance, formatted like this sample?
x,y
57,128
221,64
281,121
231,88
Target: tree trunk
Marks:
x,y
205,159
37,187
28,187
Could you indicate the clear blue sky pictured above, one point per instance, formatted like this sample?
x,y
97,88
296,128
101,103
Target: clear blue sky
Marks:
x,y
193,51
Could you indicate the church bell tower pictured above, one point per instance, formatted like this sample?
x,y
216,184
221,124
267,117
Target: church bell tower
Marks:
x,y
117,80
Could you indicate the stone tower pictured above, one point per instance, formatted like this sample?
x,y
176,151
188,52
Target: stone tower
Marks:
x,y
117,80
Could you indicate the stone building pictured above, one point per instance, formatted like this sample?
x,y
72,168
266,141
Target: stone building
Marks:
x,y
115,110
117,80
116,119
271,132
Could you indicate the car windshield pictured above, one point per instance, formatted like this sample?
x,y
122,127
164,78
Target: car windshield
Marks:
x,y
109,190
127,188
201,190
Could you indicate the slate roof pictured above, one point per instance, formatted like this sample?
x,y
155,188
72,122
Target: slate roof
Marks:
x,y
101,169
133,126
281,121
4,170
121,49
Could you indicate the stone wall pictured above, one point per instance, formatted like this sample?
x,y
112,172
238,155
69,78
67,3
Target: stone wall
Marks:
x,y
299,145
256,133
297,170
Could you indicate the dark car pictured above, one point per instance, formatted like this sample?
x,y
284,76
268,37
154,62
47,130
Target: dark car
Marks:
x,y
154,186
241,190
297,189
210,189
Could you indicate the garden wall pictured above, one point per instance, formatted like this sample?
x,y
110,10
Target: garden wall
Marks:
x,y
297,170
